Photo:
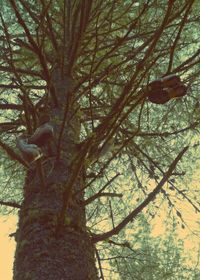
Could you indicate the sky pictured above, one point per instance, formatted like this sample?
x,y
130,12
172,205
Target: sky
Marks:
x,y
7,246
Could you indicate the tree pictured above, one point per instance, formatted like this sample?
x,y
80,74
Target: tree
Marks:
x,y
83,68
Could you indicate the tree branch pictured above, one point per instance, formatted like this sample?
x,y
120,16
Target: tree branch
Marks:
x,y
10,204
11,106
20,71
26,86
136,211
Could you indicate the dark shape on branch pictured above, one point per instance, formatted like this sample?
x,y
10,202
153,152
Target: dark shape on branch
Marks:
x,y
164,89
30,146
166,82
30,152
42,135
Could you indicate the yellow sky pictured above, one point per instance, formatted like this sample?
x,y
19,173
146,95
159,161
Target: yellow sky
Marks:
x,y
7,246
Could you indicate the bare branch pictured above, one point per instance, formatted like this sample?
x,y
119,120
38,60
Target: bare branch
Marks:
x,y
11,106
10,204
20,71
18,87
103,194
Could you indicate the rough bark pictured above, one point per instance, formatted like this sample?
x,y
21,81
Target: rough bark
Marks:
x,y
45,251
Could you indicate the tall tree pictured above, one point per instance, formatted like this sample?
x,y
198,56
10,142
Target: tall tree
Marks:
x,y
75,77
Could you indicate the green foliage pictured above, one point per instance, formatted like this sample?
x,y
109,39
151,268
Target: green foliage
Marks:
x,y
151,258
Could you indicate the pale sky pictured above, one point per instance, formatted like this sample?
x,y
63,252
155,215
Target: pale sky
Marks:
x,y
7,246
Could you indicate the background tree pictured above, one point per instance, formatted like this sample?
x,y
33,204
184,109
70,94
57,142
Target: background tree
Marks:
x,y
82,67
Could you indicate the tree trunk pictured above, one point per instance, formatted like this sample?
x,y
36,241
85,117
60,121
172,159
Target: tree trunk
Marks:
x,y
44,250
